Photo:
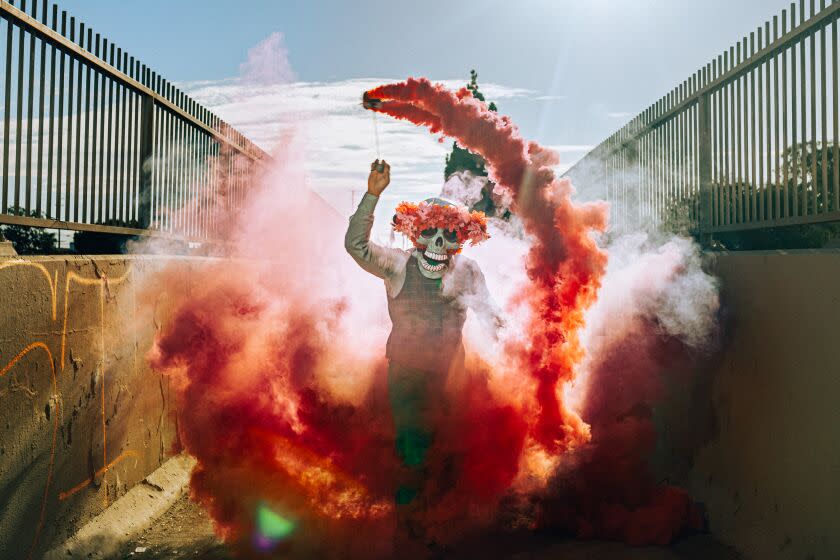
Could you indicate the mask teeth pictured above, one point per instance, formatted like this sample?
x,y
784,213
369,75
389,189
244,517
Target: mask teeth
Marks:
x,y
436,256
432,268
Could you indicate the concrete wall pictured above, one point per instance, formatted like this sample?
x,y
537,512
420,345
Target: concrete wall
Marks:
x,y
768,470
770,474
82,418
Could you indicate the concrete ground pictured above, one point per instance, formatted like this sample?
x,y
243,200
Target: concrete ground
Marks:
x,y
185,531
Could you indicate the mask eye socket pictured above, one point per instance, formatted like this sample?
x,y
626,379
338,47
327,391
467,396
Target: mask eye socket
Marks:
x,y
428,232
450,235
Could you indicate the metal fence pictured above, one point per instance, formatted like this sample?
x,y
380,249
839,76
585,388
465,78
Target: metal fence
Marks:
x,y
92,139
748,141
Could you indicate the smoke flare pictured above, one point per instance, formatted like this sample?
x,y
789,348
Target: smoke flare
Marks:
x,y
565,266
279,370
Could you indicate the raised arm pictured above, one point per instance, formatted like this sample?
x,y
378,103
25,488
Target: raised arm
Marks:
x,y
384,262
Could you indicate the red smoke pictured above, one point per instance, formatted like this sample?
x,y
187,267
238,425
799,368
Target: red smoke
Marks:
x,y
606,489
278,367
564,266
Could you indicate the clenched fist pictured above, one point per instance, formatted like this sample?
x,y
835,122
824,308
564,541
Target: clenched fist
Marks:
x,y
378,180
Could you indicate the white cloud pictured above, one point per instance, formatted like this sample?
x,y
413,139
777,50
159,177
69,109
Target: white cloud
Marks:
x,y
619,115
337,132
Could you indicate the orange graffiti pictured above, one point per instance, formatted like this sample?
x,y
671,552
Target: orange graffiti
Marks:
x,y
52,283
104,282
101,472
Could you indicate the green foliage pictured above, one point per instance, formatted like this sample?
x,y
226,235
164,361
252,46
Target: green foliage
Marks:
x,y
100,243
800,193
461,159
28,240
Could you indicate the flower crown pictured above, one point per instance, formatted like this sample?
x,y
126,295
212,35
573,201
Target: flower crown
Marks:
x,y
412,218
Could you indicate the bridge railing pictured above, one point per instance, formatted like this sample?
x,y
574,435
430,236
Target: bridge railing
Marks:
x,y
748,141
93,139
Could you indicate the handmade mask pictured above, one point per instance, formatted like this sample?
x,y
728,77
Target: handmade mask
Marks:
x,y
438,228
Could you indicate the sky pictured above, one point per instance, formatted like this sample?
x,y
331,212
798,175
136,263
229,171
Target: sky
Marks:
x,y
568,73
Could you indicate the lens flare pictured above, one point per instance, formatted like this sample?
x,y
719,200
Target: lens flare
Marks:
x,y
271,528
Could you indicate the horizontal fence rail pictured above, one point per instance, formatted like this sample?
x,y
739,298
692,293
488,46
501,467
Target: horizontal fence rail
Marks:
x,y
94,140
748,141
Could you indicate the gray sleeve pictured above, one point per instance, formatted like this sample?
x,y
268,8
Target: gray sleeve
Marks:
x,y
384,262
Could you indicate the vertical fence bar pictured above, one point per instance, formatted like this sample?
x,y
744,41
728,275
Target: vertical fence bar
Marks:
x,y
730,141
104,197
86,168
719,103
823,119
7,106
803,146
116,209
29,113
69,168
834,86
769,212
41,99
170,156
19,127
760,185
146,149
737,143
95,158
110,186
180,169
122,149
704,156
183,169
77,161
813,108
53,53
790,169
752,183
194,150
157,170
59,147
135,142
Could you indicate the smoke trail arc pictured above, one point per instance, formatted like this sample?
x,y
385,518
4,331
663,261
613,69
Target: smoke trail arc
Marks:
x,y
565,266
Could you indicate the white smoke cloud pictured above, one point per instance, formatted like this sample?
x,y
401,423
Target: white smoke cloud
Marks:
x,y
656,279
464,187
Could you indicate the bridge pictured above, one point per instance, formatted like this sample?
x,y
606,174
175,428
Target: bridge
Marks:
x,y
742,156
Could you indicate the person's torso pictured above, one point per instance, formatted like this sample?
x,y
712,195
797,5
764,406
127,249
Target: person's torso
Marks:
x,y
427,325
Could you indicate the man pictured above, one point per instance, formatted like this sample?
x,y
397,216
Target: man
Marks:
x,y
429,289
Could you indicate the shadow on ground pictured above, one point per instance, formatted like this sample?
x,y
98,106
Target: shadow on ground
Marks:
x,y
185,531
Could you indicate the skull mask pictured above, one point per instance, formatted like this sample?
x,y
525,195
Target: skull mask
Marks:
x,y
435,246
435,249
438,228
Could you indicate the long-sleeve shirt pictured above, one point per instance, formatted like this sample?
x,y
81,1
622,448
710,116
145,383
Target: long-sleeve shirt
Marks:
x,y
462,280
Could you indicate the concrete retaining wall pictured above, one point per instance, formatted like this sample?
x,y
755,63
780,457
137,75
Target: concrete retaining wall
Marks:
x,y
770,475
82,418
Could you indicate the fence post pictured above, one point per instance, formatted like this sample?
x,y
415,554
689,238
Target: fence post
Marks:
x,y
704,133
146,149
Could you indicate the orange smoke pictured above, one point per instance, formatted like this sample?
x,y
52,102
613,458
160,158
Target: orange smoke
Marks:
x,y
564,264
278,367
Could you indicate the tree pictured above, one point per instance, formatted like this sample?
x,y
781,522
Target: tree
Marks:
x,y
28,240
103,243
461,159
